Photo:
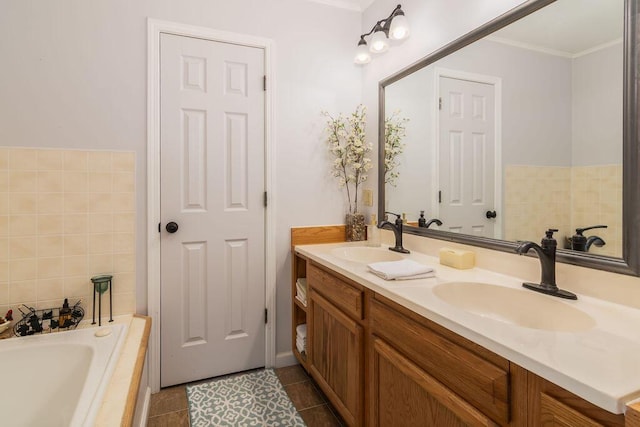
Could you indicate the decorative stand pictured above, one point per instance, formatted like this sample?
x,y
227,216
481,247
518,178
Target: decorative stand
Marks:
x,y
100,285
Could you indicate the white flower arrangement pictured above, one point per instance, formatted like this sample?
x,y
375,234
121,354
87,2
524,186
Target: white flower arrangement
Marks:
x,y
394,131
346,140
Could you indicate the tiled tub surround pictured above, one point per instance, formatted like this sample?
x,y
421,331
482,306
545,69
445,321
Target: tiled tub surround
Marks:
x,y
551,355
540,197
65,216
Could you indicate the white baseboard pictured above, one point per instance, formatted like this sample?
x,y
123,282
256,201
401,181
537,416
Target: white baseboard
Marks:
x,y
285,359
144,411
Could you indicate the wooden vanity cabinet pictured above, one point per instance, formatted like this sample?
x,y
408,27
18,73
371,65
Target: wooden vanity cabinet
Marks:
x,y
335,341
551,405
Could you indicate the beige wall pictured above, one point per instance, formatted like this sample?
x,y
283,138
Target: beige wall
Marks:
x,y
539,197
65,216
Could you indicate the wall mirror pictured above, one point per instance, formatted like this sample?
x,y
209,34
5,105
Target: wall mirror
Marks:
x,y
526,123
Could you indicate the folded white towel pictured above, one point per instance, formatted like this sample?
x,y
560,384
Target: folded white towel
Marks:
x,y
301,341
302,282
401,270
302,300
301,330
301,348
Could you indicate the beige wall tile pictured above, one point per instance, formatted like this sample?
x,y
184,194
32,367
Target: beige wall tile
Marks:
x,y
99,161
50,246
75,265
23,181
100,223
123,202
124,242
23,203
50,268
50,203
124,262
50,160
23,247
123,182
75,244
75,160
23,269
99,203
75,203
125,283
4,249
22,292
99,182
75,223
23,159
100,243
100,264
58,227
4,296
124,161
50,224
50,289
4,158
23,225
75,181
50,181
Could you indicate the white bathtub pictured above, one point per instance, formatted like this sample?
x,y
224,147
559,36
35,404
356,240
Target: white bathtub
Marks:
x,y
59,379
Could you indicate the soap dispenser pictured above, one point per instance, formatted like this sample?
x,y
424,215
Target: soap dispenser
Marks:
x,y
373,233
422,221
64,315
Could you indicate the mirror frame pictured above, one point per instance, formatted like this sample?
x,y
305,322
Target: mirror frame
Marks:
x,y
630,262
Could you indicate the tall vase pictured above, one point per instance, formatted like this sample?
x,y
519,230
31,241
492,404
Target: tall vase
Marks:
x,y
355,229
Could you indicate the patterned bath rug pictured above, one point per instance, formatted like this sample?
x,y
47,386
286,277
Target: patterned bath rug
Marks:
x,y
255,398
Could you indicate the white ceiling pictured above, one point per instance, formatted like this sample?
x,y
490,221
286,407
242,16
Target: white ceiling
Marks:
x,y
568,27
358,5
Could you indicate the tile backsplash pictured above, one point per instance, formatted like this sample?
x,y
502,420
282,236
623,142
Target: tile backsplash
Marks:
x,y
65,216
541,197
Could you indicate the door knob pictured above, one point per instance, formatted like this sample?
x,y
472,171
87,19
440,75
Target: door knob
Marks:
x,y
491,214
172,227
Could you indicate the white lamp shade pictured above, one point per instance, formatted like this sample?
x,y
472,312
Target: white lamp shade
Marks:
x,y
379,42
362,55
399,28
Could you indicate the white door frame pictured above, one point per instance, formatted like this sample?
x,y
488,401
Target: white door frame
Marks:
x,y
496,82
154,28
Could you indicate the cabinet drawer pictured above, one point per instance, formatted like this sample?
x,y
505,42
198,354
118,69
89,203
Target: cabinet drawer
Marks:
x,y
481,383
346,297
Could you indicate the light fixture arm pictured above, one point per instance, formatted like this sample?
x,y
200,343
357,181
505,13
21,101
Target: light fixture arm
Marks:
x,y
383,24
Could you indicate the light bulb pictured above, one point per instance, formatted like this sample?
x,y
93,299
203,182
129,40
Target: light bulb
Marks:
x,y
379,42
362,54
399,28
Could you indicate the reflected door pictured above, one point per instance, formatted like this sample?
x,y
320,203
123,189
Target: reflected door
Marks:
x,y
467,156
212,210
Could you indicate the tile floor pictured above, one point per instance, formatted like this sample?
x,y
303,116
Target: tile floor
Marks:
x,y
169,408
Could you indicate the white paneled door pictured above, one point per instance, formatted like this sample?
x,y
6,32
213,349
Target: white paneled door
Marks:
x,y
467,156
212,208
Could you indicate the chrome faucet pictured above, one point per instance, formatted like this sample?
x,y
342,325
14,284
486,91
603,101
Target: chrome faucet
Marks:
x,y
547,255
397,232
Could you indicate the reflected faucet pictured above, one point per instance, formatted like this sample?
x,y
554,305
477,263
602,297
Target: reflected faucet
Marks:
x,y
434,220
578,242
547,255
422,221
397,231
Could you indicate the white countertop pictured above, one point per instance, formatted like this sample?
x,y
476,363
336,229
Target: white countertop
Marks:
x,y
601,365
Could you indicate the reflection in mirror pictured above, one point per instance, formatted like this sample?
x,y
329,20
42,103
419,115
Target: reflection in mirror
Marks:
x,y
520,131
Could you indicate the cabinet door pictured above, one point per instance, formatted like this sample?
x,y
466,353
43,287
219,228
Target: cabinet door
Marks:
x,y
555,414
405,395
336,363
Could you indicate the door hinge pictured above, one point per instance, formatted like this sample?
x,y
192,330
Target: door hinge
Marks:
x,y
440,103
264,83
266,315
265,199
439,196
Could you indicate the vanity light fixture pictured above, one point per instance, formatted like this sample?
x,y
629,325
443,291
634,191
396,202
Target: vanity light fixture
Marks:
x,y
395,27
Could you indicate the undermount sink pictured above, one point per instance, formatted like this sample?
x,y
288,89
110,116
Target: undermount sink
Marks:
x,y
515,306
365,255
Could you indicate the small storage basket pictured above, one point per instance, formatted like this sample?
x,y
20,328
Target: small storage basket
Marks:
x,y
47,321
